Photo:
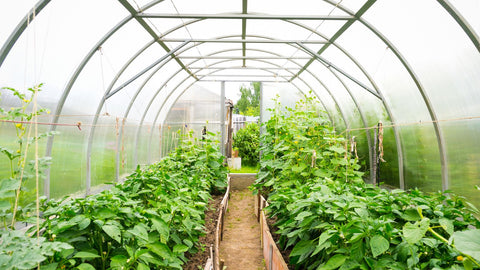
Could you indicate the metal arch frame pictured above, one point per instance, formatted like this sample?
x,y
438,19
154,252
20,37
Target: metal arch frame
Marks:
x,y
321,59
21,26
398,141
243,16
73,78
175,74
172,76
362,115
467,28
108,93
340,31
455,15
150,31
438,131
219,52
340,108
333,97
114,30
180,94
151,100
328,65
399,150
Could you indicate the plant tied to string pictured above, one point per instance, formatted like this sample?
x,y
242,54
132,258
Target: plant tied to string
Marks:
x,y
329,218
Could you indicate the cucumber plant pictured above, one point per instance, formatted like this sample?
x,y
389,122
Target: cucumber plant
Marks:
x,y
329,218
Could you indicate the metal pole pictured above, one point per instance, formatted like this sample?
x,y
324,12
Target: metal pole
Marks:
x,y
222,116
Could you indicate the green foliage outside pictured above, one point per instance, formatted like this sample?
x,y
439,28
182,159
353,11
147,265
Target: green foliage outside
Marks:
x,y
247,141
245,169
249,102
148,222
330,219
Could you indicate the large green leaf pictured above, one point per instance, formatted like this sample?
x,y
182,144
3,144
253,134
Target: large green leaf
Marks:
x,y
140,232
378,245
468,242
162,227
302,247
334,262
160,249
142,266
180,248
118,261
7,186
113,231
447,225
104,213
85,266
86,255
414,232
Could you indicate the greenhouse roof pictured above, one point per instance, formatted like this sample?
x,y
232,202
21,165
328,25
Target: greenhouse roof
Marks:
x,y
415,65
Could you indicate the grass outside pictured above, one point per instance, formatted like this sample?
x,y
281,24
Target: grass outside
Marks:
x,y
246,169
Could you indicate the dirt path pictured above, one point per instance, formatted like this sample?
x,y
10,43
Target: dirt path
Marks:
x,y
241,248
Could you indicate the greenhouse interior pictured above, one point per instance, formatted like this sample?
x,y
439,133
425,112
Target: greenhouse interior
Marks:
x,y
367,154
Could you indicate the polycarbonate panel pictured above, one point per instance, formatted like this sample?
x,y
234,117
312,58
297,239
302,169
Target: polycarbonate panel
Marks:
x,y
287,94
451,81
279,30
374,112
125,146
314,86
421,156
186,6
301,7
68,169
463,147
340,60
11,16
8,139
50,50
104,151
422,160
469,10
197,107
353,5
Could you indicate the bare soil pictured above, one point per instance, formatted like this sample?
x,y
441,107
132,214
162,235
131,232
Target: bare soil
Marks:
x,y
241,247
197,261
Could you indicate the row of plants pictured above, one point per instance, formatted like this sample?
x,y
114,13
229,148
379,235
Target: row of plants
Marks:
x,y
152,220
327,217
148,222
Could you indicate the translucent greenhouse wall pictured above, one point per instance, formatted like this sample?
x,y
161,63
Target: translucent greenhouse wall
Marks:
x,y
196,108
417,70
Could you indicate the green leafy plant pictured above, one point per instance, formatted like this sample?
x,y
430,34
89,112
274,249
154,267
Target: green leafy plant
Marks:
x,y
17,250
149,221
328,218
14,197
247,140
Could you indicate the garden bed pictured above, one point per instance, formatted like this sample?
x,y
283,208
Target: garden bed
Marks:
x,y
200,258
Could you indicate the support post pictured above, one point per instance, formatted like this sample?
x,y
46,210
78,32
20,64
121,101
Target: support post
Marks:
x,y
222,117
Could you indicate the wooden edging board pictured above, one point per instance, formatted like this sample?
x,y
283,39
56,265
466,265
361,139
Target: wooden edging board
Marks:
x,y
213,263
271,254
